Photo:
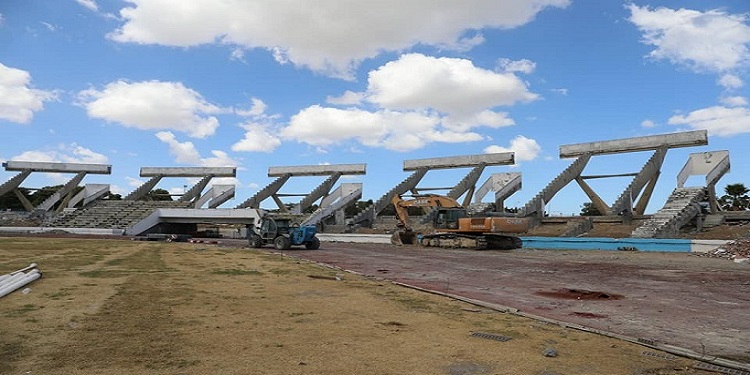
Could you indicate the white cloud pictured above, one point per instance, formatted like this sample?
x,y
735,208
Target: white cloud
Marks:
x,y
393,130
449,85
525,149
70,153
563,92
712,41
347,98
419,100
328,36
18,101
134,182
153,105
89,4
648,124
718,120
734,101
730,82
258,138
520,66
186,153
257,108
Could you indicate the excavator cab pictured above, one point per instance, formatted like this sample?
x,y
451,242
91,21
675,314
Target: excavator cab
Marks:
x,y
447,218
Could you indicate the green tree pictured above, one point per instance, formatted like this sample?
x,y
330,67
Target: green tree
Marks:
x,y
10,201
589,209
735,198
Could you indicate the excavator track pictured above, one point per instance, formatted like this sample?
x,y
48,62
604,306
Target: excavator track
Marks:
x,y
488,241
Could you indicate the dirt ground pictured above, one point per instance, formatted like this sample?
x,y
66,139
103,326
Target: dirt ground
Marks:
x,y
128,307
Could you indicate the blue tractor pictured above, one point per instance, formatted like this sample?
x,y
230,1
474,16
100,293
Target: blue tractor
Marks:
x,y
283,234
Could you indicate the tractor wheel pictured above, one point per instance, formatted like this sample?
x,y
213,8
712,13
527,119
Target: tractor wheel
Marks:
x,y
256,241
314,244
282,243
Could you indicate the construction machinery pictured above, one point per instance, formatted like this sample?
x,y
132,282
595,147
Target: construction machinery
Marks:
x,y
453,227
283,233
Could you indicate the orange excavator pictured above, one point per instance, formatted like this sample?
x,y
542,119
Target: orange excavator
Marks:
x,y
452,227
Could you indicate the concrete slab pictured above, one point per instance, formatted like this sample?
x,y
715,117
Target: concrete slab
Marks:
x,y
188,171
652,142
500,158
318,170
13,165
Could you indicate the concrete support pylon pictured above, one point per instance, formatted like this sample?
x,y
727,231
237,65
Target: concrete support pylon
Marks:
x,y
63,191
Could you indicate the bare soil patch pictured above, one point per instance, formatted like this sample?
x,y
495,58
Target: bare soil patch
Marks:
x,y
127,307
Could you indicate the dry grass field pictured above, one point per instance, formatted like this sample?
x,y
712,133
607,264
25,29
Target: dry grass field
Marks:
x,y
128,307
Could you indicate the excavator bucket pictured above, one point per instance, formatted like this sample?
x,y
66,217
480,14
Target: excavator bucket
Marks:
x,y
403,237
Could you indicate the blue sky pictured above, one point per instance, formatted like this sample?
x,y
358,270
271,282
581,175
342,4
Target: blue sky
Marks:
x,y
255,84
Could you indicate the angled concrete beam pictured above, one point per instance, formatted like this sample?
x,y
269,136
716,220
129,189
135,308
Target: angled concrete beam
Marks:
x,y
188,171
63,191
34,166
318,170
653,142
501,158
89,193
503,184
14,182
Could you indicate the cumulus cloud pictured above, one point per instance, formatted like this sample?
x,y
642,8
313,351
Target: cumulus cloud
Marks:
x,y
734,101
718,120
327,36
258,138
448,85
393,130
187,153
648,124
65,153
347,98
153,105
520,66
711,41
525,149
257,108
18,100
419,100
260,129
730,82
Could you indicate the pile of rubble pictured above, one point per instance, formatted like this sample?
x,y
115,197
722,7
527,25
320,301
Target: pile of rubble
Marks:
x,y
737,251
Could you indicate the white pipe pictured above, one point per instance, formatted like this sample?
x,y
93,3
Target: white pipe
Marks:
x,y
12,278
25,279
4,278
32,265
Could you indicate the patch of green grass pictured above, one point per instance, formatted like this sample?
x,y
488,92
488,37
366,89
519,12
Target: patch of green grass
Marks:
x,y
236,272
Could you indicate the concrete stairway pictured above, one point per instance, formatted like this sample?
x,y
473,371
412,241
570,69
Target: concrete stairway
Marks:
x,y
113,214
322,213
535,205
367,216
649,171
681,207
262,194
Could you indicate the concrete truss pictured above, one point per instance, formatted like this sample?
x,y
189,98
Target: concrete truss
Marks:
x,y
193,194
642,184
420,167
26,168
322,191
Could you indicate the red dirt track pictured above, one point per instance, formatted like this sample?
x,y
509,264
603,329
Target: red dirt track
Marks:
x,y
701,304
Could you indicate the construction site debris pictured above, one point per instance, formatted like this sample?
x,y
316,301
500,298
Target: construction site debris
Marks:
x,y
737,251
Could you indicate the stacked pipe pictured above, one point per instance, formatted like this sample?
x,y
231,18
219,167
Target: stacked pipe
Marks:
x,y
17,279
